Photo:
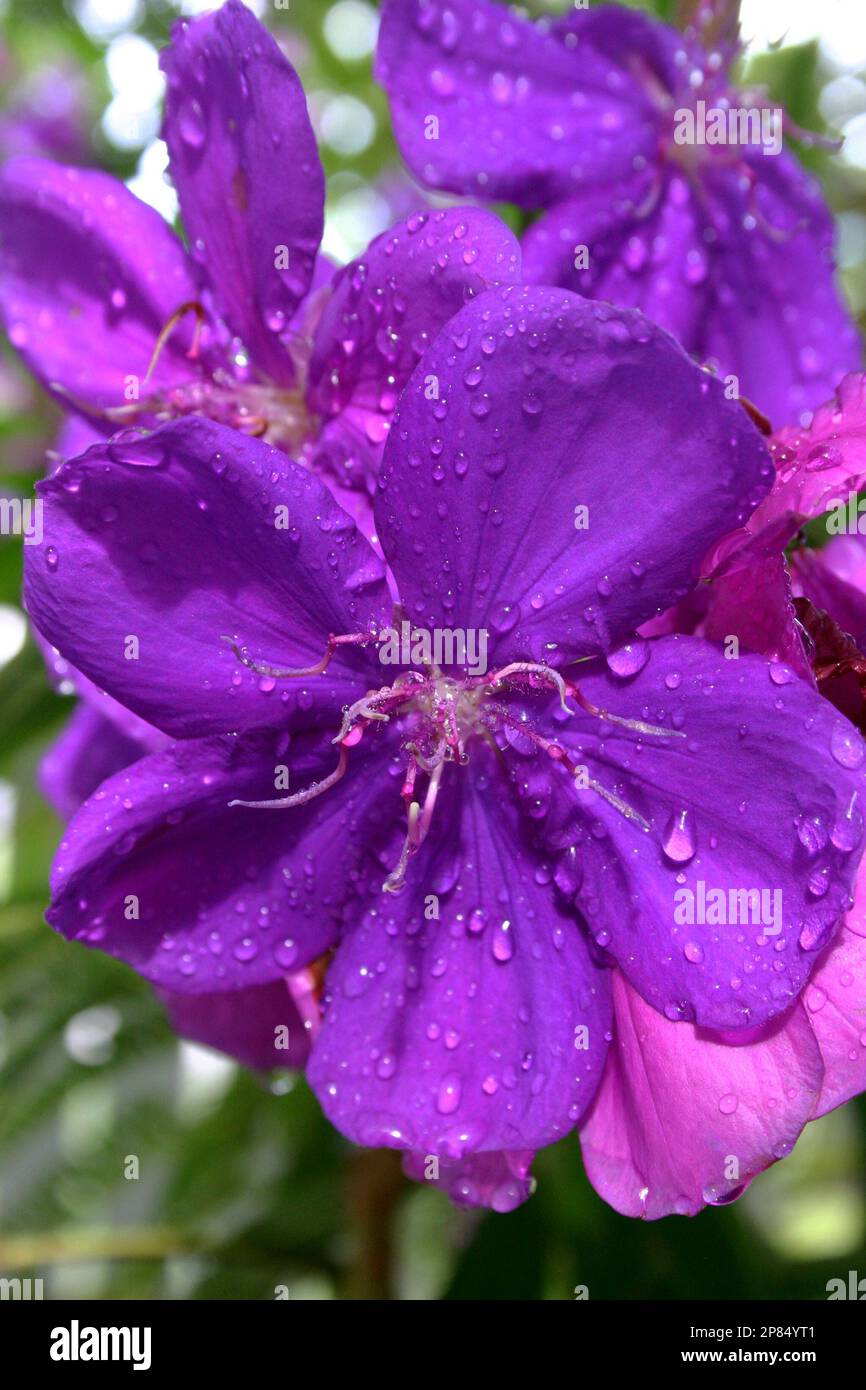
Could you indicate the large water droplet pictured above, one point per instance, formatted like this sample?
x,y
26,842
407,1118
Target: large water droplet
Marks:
x,y
679,842
630,658
503,942
191,123
846,745
448,1098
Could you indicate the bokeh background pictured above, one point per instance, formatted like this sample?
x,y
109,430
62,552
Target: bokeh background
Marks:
x,y
243,1187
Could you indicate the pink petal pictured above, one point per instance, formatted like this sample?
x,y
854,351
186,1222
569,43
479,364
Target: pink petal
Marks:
x,y
836,1003
685,1117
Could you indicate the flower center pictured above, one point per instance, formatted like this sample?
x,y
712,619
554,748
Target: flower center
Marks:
x,y
263,410
438,715
226,394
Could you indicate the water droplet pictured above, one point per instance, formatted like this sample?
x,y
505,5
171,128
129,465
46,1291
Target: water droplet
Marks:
x,y
811,832
847,831
191,123
286,954
720,1197
679,843
630,658
816,998
819,881
780,674
448,1098
846,745
503,942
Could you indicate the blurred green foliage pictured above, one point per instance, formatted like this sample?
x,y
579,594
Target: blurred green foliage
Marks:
x,y
243,1187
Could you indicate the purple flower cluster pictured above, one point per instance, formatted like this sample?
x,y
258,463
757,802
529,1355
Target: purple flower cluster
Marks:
x,y
727,245
585,880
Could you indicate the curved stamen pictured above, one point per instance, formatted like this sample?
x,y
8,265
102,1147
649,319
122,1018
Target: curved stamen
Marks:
x,y
263,668
569,688
191,306
652,199
426,764
561,755
626,811
779,235
365,708
811,138
531,668
416,832
639,725
308,794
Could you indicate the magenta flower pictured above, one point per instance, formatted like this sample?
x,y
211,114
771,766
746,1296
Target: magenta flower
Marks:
x,y
727,245
493,857
834,579
747,589
124,325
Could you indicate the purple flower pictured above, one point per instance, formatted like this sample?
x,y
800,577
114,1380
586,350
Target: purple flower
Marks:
x,y
262,1026
91,748
249,327
45,111
729,246
493,858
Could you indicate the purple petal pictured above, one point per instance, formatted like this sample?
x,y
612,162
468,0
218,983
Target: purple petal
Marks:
x,y
201,896
758,786
385,309
776,319
74,436
177,539
67,681
500,1181
524,111
480,534
259,1026
756,298
89,276
683,1117
752,601
478,1030
643,247
244,160
90,749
